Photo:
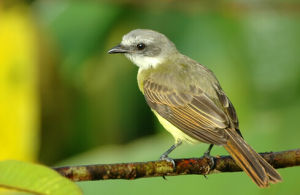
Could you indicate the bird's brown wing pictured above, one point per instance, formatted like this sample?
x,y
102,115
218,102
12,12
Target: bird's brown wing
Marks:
x,y
193,112
229,108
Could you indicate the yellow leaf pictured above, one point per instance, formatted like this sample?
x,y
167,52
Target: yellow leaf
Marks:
x,y
19,113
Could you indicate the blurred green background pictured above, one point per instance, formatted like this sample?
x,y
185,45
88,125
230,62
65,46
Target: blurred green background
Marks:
x,y
64,101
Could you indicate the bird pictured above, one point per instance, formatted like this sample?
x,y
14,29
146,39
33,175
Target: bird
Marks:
x,y
189,101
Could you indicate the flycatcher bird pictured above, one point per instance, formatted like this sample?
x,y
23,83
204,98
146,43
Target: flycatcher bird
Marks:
x,y
189,102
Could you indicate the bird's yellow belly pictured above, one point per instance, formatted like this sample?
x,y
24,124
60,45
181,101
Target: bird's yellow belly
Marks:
x,y
177,133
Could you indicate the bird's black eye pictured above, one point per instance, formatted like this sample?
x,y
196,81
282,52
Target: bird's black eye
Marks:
x,y
140,46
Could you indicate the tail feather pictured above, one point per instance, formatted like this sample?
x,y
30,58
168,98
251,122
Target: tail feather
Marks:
x,y
273,175
258,169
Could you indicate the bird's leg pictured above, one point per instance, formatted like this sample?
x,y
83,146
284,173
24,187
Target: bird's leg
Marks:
x,y
165,157
207,153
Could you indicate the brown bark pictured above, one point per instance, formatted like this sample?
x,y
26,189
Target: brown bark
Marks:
x,y
200,166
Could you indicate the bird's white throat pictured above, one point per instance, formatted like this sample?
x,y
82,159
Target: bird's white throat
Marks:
x,y
145,62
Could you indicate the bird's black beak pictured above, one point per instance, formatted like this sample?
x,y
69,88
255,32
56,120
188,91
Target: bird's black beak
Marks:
x,y
118,49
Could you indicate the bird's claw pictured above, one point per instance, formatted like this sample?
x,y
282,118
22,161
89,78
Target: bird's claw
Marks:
x,y
168,159
212,160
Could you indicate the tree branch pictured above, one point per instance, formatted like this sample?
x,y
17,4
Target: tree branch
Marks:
x,y
201,166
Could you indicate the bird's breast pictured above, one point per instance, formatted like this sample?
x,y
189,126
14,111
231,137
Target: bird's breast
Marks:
x,y
176,133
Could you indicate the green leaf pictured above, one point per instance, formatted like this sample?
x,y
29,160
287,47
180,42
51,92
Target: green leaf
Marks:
x,y
36,179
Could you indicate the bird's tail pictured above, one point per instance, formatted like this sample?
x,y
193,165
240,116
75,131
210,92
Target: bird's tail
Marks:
x,y
258,169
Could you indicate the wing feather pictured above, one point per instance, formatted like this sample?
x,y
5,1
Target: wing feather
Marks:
x,y
192,112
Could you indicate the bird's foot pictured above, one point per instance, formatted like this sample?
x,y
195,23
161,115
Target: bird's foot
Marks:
x,y
168,159
207,154
211,163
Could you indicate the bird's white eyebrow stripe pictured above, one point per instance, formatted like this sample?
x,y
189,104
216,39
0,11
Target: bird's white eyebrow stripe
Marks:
x,y
126,41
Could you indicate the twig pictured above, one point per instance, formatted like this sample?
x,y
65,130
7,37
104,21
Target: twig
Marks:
x,y
201,166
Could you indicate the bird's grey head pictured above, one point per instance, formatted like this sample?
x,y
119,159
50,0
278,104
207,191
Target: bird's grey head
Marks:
x,y
145,48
